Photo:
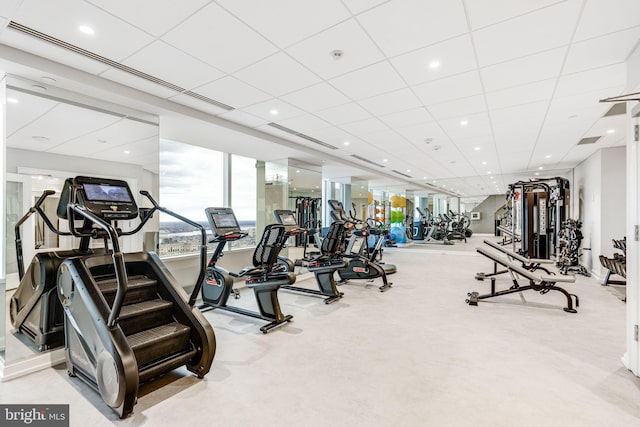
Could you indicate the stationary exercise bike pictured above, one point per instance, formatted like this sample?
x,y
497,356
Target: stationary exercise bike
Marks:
x,y
217,285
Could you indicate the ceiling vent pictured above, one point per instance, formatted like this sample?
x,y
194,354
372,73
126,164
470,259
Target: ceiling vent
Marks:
x,y
45,37
589,140
403,174
301,135
363,159
617,110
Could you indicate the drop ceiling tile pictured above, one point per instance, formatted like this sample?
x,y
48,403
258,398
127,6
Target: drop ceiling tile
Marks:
x,y
264,110
478,125
316,97
587,81
522,36
524,94
285,22
358,6
401,26
232,92
604,17
455,56
406,118
526,116
139,83
387,140
487,12
345,113
198,104
601,51
27,109
243,118
430,131
277,75
365,127
165,15
369,81
113,38
399,100
315,52
206,36
153,60
450,88
524,70
458,108
304,123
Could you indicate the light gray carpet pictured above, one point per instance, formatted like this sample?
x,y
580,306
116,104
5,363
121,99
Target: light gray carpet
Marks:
x,y
415,355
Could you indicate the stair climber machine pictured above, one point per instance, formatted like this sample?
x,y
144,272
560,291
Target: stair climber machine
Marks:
x,y
265,281
429,229
322,265
126,319
360,267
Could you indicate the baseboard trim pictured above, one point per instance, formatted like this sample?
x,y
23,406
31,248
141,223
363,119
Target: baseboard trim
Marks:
x,y
20,368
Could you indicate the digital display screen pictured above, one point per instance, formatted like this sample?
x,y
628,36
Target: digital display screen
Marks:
x,y
288,219
224,220
107,193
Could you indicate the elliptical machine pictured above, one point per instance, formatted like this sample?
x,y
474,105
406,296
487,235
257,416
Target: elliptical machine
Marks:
x,y
217,285
430,229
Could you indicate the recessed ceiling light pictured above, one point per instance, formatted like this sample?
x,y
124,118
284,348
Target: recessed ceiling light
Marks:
x,y
476,149
435,64
464,122
86,30
274,112
484,163
385,160
434,181
489,172
611,131
317,186
540,168
536,174
408,170
347,143
548,156
127,152
40,138
424,177
294,188
297,170
444,185
12,100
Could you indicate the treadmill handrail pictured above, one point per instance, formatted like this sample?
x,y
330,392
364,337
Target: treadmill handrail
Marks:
x,y
117,255
18,240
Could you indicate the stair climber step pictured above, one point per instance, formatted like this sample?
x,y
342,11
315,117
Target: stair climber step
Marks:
x,y
163,366
139,288
144,315
159,342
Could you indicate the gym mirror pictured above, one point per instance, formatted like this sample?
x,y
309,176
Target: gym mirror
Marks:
x,y
53,134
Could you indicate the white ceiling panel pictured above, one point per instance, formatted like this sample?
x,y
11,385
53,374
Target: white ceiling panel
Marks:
x,y
399,100
454,56
166,13
274,18
332,135
345,113
132,80
358,50
487,12
369,81
458,108
477,125
601,51
316,97
401,26
304,123
527,116
587,81
273,109
27,109
246,119
206,36
425,131
232,92
450,88
153,60
365,127
606,16
523,36
524,94
278,75
524,70
406,118
113,38
358,6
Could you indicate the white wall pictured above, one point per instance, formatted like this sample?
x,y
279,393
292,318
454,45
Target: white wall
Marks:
x,y
586,202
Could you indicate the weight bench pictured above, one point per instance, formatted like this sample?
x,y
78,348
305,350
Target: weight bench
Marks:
x,y
542,284
531,264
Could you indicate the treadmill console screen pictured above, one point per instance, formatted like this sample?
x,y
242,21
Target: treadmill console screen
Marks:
x,y
107,193
222,220
111,199
288,219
